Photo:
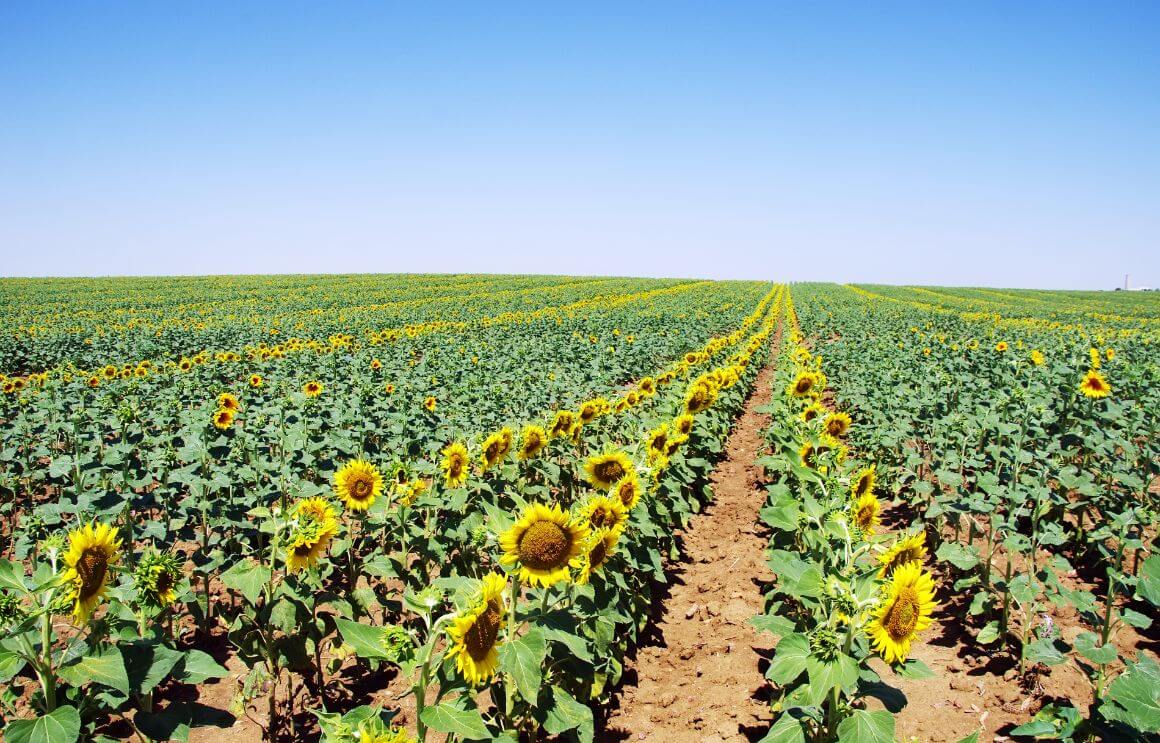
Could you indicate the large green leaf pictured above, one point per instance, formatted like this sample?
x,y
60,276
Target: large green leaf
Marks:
x,y
523,658
248,577
1134,697
197,666
366,640
790,659
62,725
867,727
565,714
106,668
466,723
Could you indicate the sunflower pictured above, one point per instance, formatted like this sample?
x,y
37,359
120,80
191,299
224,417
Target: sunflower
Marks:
x,y
683,424
312,389
700,395
904,611
94,382
533,439
648,386
110,372
156,576
429,403
803,384
906,550
628,490
474,633
227,401
92,549
315,528
1094,385
837,424
223,418
358,483
376,364
562,423
544,542
657,442
604,470
811,411
600,546
1109,353
863,483
589,410
808,454
1001,346
389,388
496,447
865,512
1037,357
456,464
185,365
603,512
1094,355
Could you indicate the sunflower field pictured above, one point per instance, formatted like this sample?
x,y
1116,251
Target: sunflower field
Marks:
x,y
460,488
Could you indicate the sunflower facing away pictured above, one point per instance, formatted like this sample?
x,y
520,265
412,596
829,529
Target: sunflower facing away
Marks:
x,y
474,633
532,442
865,513
543,542
605,470
456,464
312,389
628,491
904,612
603,512
837,424
600,546
906,550
863,483
92,549
1094,385
358,483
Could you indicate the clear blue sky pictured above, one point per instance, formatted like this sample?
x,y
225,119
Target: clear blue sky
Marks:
x,y
1013,144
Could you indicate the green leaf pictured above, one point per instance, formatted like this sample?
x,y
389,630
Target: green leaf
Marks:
x,y
1148,587
959,555
867,727
466,723
778,625
107,669
787,729
988,634
567,714
147,663
1044,651
10,665
524,659
62,725
12,576
197,667
915,670
789,660
1134,697
247,577
1088,645
972,738
175,721
367,641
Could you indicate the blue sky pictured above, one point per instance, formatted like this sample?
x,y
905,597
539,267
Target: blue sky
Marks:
x,y
1004,144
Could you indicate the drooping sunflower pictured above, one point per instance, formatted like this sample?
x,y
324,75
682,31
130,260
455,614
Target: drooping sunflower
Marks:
x,y
603,512
837,424
312,389
865,513
562,423
863,483
803,384
628,491
456,464
228,401
600,546
475,632
533,439
605,470
543,543
1037,357
496,448
906,550
358,483
1094,385
223,418
904,611
683,424
92,550
429,403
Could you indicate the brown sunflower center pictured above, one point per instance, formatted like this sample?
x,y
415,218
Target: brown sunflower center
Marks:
x,y
902,617
627,492
598,555
360,487
601,517
91,569
863,486
480,637
455,466
544,546
609,471
865,515
803,386
164,582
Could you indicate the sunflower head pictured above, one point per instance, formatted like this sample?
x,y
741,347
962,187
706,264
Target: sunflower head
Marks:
x,y
533,439
1094,386
864,513
1037,357
156,576
456,464
93,550
312,389
358,483
657,441
223,418
544,542
627,491
903,611
700,395
599,546
605,470
1109,353
376,364
474,634
604,512
803,384
1094,355
429,403
228,401
837,424
812,411
906,550
863,483
496,448
648,386
683,424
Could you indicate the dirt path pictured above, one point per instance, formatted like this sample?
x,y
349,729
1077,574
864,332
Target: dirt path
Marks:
x,y
700,679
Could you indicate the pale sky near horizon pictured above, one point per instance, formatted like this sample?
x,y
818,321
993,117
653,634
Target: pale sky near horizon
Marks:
x,y
963,143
